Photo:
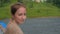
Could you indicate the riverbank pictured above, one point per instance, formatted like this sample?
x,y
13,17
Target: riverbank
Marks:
x,y
36,17
34,10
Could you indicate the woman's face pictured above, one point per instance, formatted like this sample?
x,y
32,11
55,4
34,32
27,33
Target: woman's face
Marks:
x,y
20,15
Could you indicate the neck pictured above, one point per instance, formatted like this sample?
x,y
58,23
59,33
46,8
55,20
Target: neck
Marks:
x,y
15,22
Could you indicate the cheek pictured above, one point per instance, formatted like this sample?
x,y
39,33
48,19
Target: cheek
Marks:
x,y
18,17
25,17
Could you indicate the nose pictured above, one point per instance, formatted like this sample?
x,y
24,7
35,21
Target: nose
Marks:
x,y
23,17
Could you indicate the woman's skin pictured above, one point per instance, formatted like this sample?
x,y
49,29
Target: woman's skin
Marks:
x,y
18,18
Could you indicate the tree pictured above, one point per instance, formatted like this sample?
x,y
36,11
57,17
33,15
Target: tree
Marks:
x,y
2,2
57,3
54,2
21,1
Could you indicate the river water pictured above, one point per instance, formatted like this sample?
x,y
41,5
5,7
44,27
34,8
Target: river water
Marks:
x,y
41,26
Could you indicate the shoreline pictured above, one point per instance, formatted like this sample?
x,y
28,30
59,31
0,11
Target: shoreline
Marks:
x,y
46,17
38,17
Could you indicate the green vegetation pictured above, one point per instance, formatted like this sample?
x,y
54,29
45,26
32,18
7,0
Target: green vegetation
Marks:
x,y
33,10
43,10
54,2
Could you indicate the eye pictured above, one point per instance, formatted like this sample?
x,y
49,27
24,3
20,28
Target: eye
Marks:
x,y
24,13
20,14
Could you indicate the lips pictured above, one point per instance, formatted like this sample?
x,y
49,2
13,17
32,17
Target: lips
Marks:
x,y
21,20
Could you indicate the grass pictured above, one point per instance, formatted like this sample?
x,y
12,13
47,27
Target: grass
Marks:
x,y
33,10
43,10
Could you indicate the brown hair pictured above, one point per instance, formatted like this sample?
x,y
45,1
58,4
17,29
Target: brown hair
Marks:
x,y
15,7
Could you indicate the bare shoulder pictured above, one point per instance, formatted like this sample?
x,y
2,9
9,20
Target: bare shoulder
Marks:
x,y
10,26
15,29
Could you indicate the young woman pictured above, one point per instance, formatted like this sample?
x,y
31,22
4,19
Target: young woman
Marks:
x,y
18,13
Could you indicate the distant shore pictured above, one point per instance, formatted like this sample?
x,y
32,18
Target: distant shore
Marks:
x,y
37,17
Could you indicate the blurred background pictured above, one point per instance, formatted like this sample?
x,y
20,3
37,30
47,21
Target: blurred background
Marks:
x,y
35,8
43,16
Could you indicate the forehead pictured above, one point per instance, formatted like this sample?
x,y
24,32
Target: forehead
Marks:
x,y
21,9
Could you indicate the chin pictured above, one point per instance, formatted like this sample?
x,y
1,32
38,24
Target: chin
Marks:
x,y
21,22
